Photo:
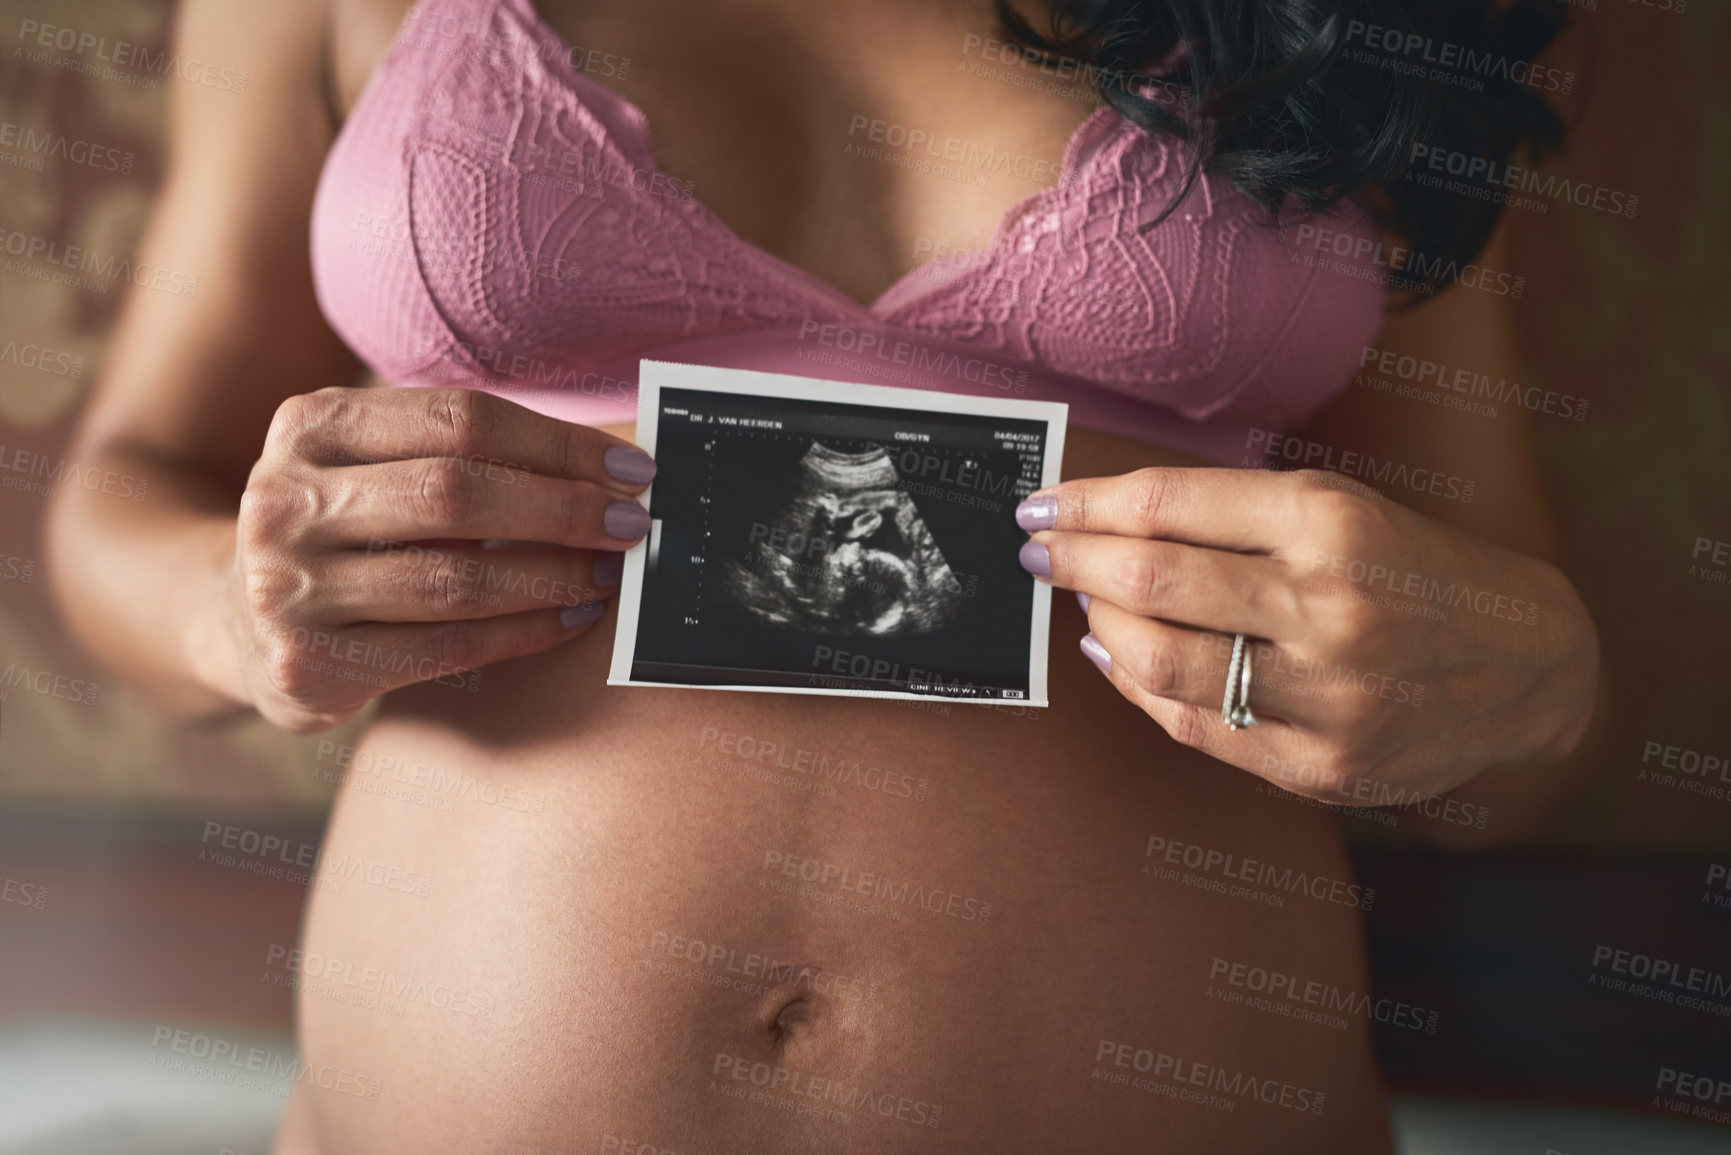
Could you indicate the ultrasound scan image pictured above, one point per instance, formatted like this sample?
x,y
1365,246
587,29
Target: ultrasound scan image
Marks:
x,y
849,555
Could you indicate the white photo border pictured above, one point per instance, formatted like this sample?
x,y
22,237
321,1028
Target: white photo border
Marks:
x,y
653,376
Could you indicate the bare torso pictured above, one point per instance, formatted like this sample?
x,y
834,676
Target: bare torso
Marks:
x,y
714,922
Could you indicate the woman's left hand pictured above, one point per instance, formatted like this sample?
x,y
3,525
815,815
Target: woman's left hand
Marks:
x,y
1394,656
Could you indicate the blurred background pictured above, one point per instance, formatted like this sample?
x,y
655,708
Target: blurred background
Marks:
x,y
119,920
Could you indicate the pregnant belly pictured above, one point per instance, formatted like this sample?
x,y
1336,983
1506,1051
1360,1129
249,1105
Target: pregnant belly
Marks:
x,y
558,916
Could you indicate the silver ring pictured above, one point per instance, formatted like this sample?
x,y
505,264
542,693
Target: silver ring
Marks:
x,y
1235,709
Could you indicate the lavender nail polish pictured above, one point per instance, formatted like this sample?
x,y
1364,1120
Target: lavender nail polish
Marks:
x,y
1037,513
1096,653
632,466
582,614
609,568
1082,600
1036,559
625,520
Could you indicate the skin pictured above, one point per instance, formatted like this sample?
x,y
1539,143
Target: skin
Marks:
x,y
640,816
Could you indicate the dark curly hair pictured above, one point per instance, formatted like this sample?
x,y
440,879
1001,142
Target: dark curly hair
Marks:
x,y
1304,103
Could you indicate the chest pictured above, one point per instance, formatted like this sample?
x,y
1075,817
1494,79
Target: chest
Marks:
x,y
853,141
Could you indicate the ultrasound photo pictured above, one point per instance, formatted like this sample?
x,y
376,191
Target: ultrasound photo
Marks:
x,y
820,537
857,558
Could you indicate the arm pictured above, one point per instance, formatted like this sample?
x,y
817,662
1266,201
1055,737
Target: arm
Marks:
x,y
190,385
1365,692
251,574
1467,329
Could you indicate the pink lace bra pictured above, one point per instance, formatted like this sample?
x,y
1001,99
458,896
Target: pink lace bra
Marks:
x,y
492,217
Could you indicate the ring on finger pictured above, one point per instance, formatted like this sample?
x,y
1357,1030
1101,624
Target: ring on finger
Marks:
x,y
1235,708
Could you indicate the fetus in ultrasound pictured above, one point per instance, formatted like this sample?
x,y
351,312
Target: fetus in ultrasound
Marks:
x,y
849,555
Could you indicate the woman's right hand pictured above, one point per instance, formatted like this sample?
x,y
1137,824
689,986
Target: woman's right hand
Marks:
x,y
388,536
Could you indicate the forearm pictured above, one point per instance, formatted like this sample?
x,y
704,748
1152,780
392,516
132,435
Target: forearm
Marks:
x,y
145,584
1515,797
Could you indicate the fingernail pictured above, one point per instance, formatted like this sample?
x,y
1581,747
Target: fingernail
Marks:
x,y
625,520
1082,600
632,466
1035,558
582,614
1037,513
1097,653
609,568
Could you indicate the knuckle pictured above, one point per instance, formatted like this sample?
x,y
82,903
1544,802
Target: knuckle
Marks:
x,y
275,591
454,588
1158,670
454,650
441,494
1147,584
575,518
461,417
283,665
277,507
303,420
1152,492
1188,727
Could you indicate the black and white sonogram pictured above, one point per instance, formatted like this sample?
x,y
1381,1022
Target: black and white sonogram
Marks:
x,y
825,538
849,555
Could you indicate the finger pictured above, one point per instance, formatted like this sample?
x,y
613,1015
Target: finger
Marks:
x,y
497,437
1241,509
441,497
398,582
1182,665
1261,749
1210,589
385,656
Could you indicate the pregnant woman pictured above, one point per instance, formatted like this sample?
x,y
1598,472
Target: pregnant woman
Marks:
x,y
558,916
